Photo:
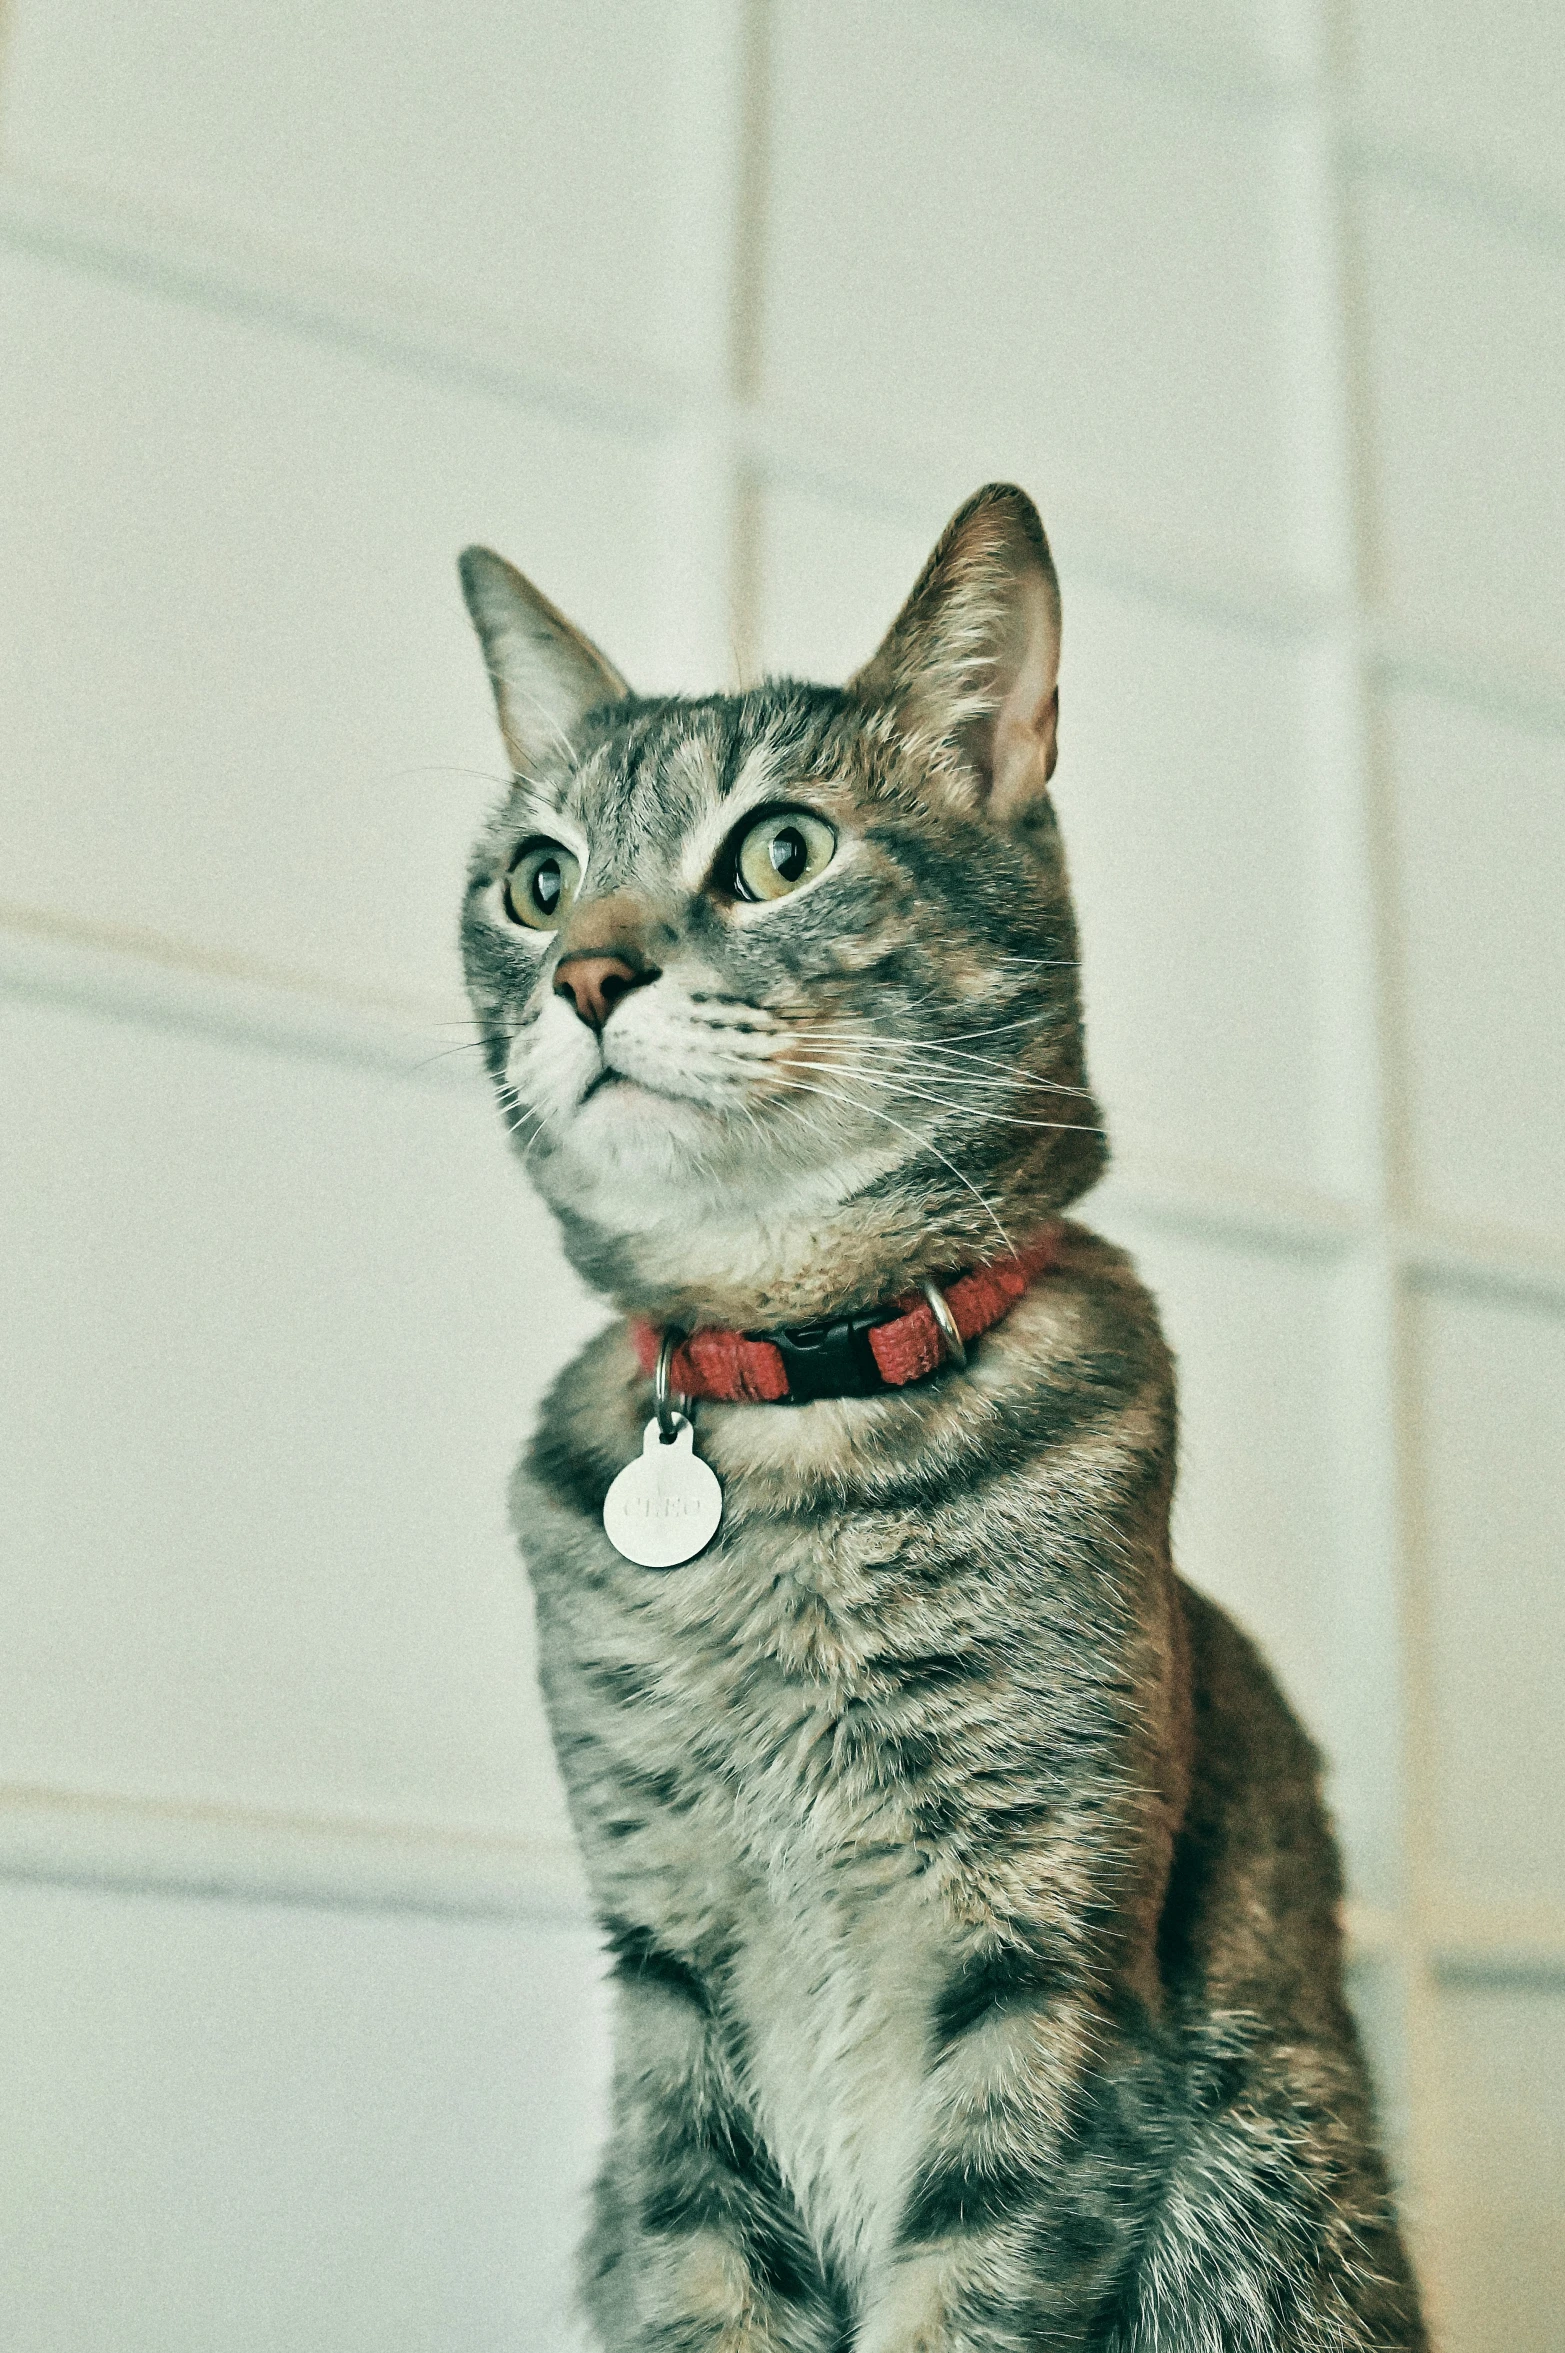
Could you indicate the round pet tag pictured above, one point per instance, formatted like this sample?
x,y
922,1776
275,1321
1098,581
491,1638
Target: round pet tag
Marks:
x,y
664,1507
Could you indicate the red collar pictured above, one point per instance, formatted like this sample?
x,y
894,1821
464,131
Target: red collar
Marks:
x,y
853,1356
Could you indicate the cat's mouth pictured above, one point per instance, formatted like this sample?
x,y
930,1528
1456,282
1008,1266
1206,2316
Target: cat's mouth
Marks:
x,y
610,1084
613,1082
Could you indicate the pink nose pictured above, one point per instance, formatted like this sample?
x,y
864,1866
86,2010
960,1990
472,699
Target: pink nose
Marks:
x,y
595,985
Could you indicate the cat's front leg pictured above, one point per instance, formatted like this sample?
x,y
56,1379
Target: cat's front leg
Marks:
x,y
1022,2217
1154,2224
695,2246
1275,2228
981,2293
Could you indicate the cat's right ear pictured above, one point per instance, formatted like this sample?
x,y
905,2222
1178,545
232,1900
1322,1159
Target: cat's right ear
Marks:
x,y
972,661
546,674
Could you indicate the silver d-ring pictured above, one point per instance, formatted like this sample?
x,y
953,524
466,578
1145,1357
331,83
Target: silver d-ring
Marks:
x,y
672,1405
940,1309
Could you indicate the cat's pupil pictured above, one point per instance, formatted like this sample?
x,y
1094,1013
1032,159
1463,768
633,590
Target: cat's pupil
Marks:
x,y
789,852
546,886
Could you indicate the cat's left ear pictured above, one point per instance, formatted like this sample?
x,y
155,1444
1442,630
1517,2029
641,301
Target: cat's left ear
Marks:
x,y
972,660
546,673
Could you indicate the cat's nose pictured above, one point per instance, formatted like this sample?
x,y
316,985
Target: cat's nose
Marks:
x,y
595,985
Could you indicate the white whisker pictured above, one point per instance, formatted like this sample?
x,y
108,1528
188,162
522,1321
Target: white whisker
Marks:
x,y
869,1078
956,1036
923,1144
914,1051
468,1046
516,1113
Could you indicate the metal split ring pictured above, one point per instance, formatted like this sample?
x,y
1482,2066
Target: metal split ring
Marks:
x,y
940,1309
673,1406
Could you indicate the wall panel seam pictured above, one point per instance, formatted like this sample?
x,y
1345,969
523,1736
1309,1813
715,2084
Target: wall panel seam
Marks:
x,y
249,1854
769,442
191,999
101,1839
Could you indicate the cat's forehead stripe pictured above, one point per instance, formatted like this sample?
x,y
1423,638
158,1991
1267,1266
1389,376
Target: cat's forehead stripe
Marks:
x,y
652,779
671,779
750,780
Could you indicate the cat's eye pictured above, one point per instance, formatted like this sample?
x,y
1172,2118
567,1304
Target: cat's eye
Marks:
x,y
777,852
541,885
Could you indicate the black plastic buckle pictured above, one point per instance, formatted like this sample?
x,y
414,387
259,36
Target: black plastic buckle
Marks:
x,y
828,1359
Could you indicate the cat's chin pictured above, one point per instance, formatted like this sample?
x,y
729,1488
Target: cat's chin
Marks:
x,y
620,1096
627,1147
632,1161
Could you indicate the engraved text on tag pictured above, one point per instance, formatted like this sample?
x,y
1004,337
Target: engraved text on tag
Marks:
x,y
664,1507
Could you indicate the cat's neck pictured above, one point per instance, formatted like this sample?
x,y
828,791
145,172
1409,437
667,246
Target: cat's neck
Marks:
x,y
759,1273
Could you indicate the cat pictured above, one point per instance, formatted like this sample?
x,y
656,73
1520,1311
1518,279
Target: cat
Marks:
x,y
973,1907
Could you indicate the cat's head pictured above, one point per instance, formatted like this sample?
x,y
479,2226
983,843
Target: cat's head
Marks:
x,y
779,989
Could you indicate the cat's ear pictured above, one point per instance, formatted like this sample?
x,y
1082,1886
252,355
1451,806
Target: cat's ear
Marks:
x,y
545,673
972,660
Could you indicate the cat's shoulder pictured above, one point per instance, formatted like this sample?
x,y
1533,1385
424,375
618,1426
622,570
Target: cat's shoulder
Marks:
x,y
589,1426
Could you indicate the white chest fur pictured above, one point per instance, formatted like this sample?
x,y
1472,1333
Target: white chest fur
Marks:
x,y
837,1989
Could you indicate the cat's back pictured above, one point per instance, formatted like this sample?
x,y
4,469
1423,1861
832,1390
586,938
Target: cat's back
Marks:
x,y
1256,1888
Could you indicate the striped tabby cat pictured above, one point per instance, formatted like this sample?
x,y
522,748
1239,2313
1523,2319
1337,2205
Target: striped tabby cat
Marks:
x,y
973,1904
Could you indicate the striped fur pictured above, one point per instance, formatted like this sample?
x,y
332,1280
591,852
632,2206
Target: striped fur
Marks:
x,y
972,1904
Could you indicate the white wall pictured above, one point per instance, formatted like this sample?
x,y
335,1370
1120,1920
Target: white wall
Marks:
x,y
708,311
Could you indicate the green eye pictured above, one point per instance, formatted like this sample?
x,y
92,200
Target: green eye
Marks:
x,y
779,851
541,885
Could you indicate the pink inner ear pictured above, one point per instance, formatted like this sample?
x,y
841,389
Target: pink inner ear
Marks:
x,y
1024,745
